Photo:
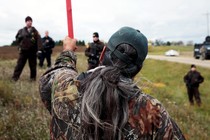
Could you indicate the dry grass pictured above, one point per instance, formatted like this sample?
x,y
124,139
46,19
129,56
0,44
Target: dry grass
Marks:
x,y
22,113
7,53
193,120
23,116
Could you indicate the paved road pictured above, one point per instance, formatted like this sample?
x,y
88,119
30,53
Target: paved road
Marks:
x,y
180,59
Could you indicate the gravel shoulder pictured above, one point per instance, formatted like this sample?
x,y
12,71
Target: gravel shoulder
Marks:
x,y
180,59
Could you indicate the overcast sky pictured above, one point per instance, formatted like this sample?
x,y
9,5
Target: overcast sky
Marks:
x,y
168,20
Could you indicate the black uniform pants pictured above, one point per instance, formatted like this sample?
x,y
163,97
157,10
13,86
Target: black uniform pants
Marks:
x,y
23,57
46,55
194,92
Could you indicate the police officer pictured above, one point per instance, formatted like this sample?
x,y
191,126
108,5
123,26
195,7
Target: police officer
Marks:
x,y
47,45
192,80
93,51
109,105
29,42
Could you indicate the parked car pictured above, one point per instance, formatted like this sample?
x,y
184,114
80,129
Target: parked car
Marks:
x,y
172,53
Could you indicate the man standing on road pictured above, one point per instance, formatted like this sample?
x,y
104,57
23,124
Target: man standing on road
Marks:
x,y
29,41
47,43
192,80
93,51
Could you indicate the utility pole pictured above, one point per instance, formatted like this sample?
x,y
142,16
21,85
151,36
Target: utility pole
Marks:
x,y
207,15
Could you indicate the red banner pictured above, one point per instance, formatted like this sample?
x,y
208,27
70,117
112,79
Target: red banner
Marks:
x,y
69,19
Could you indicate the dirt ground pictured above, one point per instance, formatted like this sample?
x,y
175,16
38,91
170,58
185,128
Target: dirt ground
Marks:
x,y
12,52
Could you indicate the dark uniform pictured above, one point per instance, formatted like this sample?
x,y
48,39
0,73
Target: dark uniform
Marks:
x,y
93,53
192,80
47,44
58,88
29,40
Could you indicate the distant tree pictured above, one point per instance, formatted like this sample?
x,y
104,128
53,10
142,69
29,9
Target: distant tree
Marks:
x,y
59,43
83,42
180,43
14,43
80,43
150,43
158,42
190,43
168,43
177,43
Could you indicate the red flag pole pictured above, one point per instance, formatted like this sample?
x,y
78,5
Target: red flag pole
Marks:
x,y
69,19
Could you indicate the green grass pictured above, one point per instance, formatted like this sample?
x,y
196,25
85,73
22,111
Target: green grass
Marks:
x,y
194,121
23,116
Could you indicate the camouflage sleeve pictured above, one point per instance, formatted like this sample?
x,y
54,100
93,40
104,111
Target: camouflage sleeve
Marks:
x,y
150,120
65,67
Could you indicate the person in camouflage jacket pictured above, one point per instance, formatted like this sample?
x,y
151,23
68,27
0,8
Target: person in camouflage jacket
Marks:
x,y
104,103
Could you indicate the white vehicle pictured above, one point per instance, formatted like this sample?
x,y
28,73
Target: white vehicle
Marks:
x,y
172,53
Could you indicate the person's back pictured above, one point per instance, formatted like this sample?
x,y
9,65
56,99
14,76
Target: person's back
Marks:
x,y
109,105
112,106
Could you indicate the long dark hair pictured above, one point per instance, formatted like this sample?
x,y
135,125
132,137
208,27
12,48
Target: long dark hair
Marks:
x,y
105,95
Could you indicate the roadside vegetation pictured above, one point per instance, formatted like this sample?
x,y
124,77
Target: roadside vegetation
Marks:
x,y
160,50
23,116
166,84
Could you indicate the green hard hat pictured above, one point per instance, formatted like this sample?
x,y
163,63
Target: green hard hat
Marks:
x,y
133,37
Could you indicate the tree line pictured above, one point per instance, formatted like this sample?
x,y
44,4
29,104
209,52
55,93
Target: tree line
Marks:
x,y
157,42
57,43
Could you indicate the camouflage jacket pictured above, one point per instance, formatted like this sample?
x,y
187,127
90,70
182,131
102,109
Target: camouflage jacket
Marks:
x,y
148,119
